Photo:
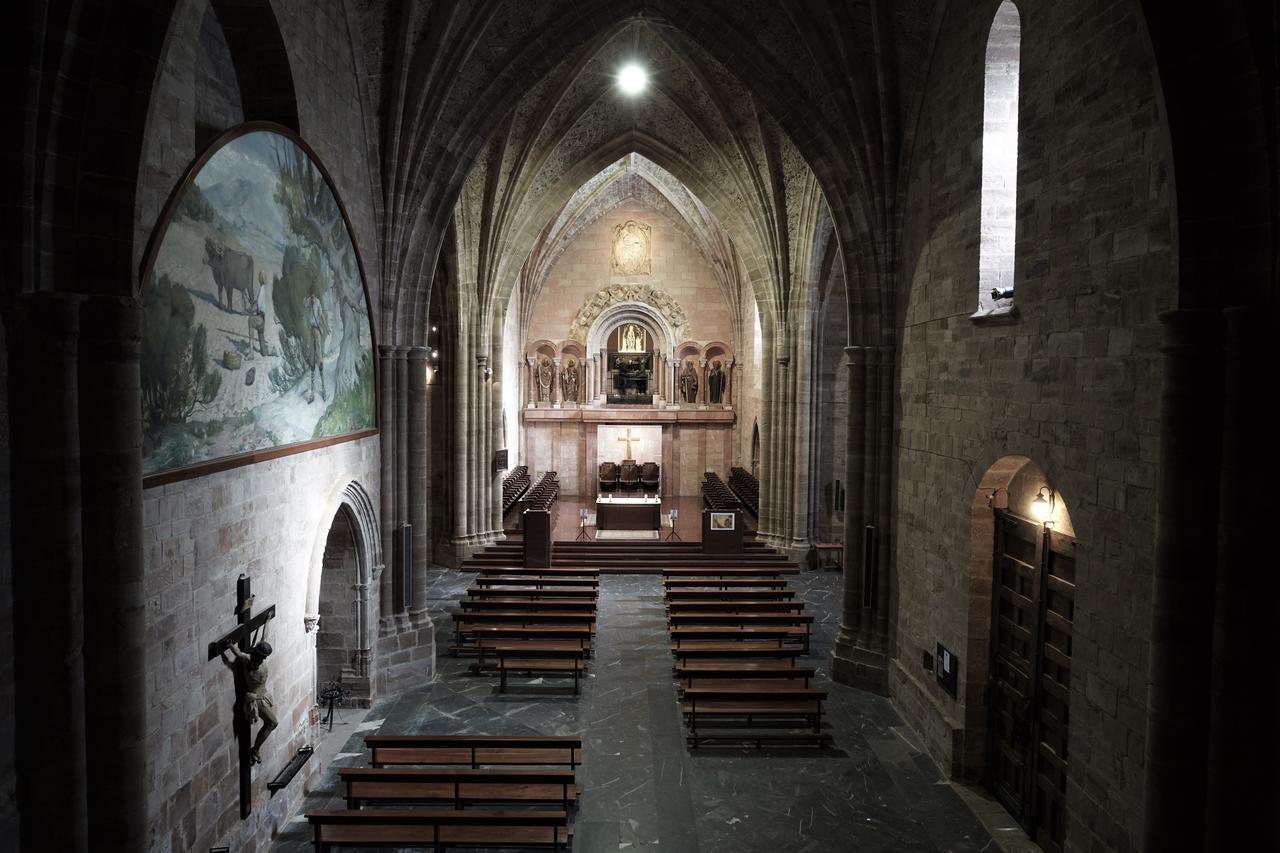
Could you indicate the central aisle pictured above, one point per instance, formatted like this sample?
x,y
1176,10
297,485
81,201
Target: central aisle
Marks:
x,y
642,790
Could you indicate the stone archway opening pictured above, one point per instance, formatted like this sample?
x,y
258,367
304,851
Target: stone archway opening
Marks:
x,y
338,644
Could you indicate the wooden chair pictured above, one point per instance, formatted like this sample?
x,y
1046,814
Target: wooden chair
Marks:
x,y
608,477
649,476
629,479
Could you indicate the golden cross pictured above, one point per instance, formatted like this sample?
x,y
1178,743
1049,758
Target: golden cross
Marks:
x,y
628,439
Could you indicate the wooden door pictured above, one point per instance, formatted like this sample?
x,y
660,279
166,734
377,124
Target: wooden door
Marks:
x,y
1033,606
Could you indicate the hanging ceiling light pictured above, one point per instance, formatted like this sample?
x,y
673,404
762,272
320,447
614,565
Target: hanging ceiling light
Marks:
x,y
632,79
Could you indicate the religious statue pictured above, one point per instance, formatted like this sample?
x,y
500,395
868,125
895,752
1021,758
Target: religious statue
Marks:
x,y
631,338
256,703
688,383
569,382
715,383
631,242
545,377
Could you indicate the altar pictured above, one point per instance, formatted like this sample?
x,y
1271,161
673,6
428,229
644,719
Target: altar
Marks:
x,y
628,513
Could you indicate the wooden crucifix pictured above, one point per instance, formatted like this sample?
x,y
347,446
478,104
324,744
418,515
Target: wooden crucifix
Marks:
x,y
248,650
628,439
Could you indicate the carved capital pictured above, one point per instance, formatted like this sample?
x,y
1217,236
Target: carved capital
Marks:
x,y
311,623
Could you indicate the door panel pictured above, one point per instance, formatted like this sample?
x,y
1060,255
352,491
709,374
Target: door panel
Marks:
x,y
1032,613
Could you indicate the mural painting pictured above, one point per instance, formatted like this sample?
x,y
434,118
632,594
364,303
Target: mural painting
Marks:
x,y
256,327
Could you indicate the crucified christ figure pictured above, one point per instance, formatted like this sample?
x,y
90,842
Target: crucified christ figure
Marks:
x,y
255,704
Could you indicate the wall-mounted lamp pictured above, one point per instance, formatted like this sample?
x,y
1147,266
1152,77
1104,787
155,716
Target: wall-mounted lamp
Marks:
x,y
991,498
1042,506
488,372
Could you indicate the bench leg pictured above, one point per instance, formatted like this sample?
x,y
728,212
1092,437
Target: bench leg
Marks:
x,y
575,682
502,678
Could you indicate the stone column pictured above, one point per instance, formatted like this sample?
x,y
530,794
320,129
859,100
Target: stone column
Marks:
x,y
588,376
557,395
463,368
702,380
416,359
115,604
48,613
401,470
727,397
844,654
387,498
1180,670
532,399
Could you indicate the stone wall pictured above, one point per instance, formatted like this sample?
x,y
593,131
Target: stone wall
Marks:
x,y
678,269
1072,383
270,521
830,417
8,771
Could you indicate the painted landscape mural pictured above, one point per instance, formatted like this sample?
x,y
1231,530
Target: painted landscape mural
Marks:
x,y
256,325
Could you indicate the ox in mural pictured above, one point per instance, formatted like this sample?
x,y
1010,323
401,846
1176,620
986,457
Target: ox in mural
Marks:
x,y
256,324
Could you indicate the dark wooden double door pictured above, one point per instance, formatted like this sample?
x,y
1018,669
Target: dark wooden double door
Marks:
x,y
1033,591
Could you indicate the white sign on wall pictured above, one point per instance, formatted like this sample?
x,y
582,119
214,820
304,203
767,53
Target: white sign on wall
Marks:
x,y
612,444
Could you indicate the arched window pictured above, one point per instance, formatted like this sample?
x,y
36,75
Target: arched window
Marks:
x,y
999,164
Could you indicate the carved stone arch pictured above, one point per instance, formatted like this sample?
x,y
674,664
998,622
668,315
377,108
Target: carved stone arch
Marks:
x,y
651,303
640,313
354,500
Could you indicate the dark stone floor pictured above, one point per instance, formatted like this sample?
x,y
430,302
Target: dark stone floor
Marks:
x,y
642,790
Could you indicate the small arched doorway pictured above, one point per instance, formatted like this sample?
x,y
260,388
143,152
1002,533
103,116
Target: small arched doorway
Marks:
x,y
1022,609
338,633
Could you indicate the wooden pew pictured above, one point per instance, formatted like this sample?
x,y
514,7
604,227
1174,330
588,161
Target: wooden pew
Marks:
x,y
498,603
687,594
734,571
473,750
738,649
734,605
517,646
534,593
537,581
740,670
438,830
583,634
725,583
750,703
458,786
544,660
545,571
683,635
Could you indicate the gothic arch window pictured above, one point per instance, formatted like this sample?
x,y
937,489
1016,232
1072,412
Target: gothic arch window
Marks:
x,y
998,215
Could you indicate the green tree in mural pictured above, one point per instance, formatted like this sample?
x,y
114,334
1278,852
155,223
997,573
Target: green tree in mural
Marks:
x,y
176,375
316,221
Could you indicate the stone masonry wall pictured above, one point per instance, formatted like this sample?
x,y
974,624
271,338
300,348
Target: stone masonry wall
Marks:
x,y
8,771
271,521
678,269
1073,382
268,519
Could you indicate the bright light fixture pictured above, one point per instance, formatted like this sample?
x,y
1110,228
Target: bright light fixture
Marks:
x,y
632,79
1040,508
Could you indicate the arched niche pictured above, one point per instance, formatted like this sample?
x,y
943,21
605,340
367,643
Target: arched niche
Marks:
x,y
640,313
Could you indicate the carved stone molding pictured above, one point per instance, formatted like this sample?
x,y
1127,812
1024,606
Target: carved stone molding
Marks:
x,y
659,300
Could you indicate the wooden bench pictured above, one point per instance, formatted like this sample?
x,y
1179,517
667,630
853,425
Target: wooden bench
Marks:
x,y
548,571
684,634
734,651
458,786
684,594
727,572
536,581
827,555
495,603
742,669
438,830
582,633
541,659
533,593
473,750
751,703
725,583
734,605
516,646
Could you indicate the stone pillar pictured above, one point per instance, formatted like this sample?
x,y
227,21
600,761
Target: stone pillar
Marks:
x,y
115,604
387,498
416,456
401,471
702,380
557,396
48,629
727,398
588,376
532,398
1182,595
462,370
844,657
